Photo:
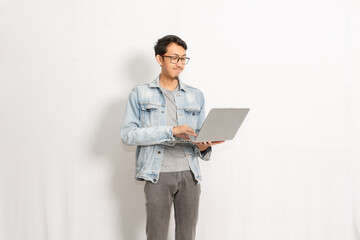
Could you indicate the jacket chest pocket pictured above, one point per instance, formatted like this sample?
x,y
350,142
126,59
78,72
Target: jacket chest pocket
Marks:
x,y
150,114
191,116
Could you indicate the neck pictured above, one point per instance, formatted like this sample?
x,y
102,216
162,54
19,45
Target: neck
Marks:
x,y
168,82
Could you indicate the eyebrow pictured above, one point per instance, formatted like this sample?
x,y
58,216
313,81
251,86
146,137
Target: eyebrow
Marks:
x,y
179,55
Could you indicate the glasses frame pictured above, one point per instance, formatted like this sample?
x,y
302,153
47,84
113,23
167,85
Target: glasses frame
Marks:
x,y
186,59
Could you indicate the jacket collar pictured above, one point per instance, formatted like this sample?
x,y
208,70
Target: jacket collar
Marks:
x,y
156,84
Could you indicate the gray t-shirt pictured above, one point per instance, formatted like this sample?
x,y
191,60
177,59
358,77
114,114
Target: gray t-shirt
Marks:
x,y
174,158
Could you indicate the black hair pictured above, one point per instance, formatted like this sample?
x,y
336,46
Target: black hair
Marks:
x,y
161,45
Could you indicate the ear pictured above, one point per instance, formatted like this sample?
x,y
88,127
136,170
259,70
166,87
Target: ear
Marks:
x,y
159,59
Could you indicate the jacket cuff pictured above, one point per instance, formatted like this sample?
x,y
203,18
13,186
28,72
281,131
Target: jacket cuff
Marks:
x,y
170,133
204,155
170,137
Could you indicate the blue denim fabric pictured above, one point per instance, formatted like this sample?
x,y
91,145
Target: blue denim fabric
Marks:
x,y
145,125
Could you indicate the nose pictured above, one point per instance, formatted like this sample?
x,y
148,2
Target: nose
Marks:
x,y
179,64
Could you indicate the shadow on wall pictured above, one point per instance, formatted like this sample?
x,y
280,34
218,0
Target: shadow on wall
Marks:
x,y
129,194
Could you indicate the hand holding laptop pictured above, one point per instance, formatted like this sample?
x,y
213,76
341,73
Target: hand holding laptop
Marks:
x,y
204,145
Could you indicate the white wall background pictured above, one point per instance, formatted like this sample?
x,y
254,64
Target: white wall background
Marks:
x,y
66,69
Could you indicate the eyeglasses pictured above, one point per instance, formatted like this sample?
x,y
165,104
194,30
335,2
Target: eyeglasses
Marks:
x,y
175,59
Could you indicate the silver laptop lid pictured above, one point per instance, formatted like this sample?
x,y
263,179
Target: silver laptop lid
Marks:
x,y
221,124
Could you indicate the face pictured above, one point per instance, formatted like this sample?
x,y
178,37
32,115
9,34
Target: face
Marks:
x,y
169,69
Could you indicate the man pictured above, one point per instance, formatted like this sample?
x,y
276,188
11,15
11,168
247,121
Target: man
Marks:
x,y
156,114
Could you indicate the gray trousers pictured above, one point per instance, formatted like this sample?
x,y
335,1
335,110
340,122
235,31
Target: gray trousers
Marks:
x,y
179,188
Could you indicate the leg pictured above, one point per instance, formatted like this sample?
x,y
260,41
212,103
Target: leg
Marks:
x,y
159,198
186,206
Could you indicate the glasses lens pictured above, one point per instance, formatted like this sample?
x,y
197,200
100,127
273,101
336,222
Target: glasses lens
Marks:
x,y
185,60
174,59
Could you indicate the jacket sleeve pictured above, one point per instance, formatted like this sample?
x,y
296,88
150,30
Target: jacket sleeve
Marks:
x,y
132,131
204,155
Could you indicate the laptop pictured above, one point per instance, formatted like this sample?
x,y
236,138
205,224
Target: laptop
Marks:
x,y
220,124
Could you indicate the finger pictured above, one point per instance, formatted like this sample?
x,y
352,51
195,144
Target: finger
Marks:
x,y
188,132
191,131
184,136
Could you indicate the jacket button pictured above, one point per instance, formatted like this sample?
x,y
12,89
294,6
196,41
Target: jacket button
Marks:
x,y
162,111
159,152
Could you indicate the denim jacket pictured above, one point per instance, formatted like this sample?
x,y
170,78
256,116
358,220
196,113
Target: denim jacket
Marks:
x,y
145,125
